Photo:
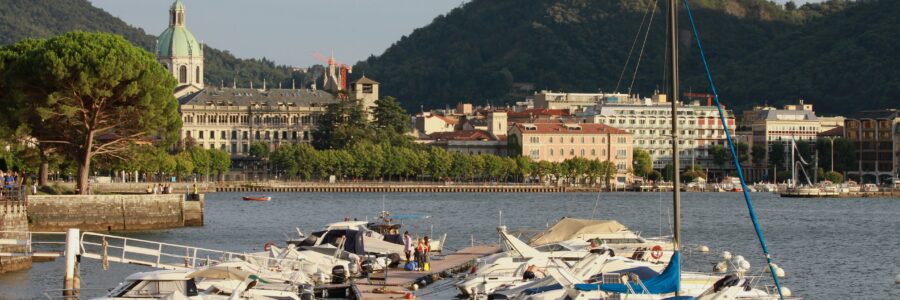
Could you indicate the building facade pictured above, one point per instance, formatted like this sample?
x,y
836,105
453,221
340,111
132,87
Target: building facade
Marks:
x,y
556,142
573,102
876,135
650,122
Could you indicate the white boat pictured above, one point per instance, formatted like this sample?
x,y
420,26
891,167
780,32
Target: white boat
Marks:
x,y
183,284
357,231
505,270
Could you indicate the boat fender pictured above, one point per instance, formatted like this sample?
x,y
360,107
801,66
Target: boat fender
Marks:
x,y
268,245
656,252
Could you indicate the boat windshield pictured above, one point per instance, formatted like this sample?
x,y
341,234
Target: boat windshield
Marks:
x,y
155,288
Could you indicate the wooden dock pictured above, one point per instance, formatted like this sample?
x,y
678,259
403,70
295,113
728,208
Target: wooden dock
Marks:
x,y
399,281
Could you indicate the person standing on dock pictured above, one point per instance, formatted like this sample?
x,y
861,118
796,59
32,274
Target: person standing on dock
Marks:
x,y
407,245
427,252
420,254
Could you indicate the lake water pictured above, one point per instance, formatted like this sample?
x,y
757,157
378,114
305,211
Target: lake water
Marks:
x,y
840,248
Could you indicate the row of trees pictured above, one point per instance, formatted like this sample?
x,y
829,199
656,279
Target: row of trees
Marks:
x,y
383,161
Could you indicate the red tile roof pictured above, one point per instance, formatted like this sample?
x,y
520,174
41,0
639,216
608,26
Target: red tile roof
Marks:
x,y
568,128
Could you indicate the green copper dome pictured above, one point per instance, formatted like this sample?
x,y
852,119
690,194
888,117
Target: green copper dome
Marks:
x,y
177,41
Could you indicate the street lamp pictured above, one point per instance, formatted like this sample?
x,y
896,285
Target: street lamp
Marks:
x,y
831,139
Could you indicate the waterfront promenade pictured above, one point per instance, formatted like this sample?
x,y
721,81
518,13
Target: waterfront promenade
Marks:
x,y
278,186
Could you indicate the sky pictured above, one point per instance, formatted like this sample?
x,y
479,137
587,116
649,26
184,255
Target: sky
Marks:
x,y
290,31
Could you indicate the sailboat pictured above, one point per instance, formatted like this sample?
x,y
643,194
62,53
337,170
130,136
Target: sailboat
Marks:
x,y
670,284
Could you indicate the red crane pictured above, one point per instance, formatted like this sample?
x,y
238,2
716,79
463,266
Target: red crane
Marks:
x,y
344,68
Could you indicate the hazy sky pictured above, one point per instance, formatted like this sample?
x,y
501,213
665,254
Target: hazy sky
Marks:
x,y
290,31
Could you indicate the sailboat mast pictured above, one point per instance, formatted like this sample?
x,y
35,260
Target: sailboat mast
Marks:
x,y
673,96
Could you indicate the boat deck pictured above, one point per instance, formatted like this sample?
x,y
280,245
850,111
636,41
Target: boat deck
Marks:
x,y
397,282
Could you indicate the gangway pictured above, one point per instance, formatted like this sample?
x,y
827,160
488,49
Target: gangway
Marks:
x,y
119,249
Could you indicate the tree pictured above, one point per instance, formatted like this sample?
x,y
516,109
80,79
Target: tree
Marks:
x,y
389,115
743,153
201,160
343,124
93,94
834,177
439,162
184,165
776,155
260,150
220,162
643,164
759,154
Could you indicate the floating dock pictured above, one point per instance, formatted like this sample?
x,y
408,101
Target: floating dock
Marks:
x,y
398,281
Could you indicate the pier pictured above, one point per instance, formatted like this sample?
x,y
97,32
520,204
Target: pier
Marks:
x,y
396,282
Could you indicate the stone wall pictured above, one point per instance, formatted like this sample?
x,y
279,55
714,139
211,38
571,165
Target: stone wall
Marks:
x,y
111,212
13,217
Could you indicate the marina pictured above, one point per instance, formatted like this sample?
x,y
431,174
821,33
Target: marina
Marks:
x,y
711,219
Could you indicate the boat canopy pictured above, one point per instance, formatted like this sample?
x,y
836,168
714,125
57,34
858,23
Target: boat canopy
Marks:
x,y
571,228
669,281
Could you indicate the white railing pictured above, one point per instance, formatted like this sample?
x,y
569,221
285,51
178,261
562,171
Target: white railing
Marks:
x,y
32,243
159,255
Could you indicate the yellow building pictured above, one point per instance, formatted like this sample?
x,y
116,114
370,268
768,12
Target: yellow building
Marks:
x,y
556,142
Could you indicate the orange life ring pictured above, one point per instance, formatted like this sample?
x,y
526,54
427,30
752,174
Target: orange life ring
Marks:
x,y
268,245
656,252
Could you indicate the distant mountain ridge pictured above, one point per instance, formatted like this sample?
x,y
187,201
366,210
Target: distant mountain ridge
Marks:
x,y
20,19
838,55
476,52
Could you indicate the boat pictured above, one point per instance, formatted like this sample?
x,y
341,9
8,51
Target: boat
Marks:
x,y
209,283
257,198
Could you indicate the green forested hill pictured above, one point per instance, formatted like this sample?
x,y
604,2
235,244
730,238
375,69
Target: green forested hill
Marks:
x,y
20,19
759,51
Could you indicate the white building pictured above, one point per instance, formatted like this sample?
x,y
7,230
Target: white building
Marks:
x,y
651,125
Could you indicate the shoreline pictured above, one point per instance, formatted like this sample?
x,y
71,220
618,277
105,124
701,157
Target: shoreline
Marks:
x,y
404,187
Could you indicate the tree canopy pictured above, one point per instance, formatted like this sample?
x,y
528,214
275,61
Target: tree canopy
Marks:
x,y
90,94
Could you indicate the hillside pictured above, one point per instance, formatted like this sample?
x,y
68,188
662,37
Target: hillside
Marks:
x,y
478,51
20,19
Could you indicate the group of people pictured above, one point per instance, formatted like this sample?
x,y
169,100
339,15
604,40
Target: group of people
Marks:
x,y
159,189
418,249
10,179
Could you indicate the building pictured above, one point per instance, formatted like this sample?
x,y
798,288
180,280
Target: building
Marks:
x,y
574,102
876,135
556,142
490,139
650,122
231,119
179,52
428,123
797,122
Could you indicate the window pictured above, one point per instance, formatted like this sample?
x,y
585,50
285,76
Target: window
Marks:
x,y
582,152
224,135
620,153
535,154
593,152
234,134
212,135
245,135
201,134
571,152
367,89
197,75
551,152
182,74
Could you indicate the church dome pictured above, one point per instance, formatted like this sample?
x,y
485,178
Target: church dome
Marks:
x,y
177,40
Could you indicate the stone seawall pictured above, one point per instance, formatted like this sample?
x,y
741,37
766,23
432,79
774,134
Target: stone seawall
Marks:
x,y
13,217
113,212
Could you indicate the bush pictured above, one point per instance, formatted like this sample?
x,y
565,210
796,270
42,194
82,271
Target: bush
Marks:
x,y
55,189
